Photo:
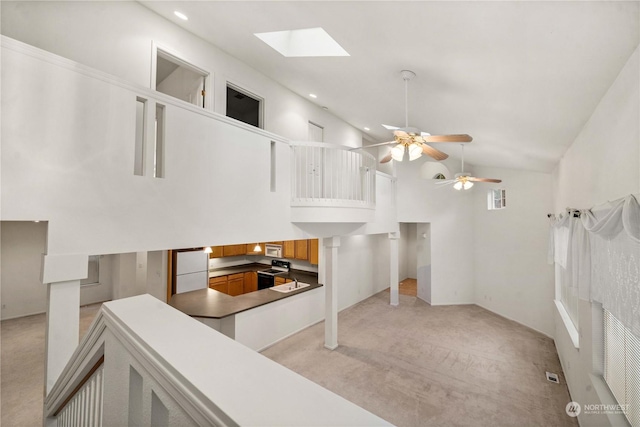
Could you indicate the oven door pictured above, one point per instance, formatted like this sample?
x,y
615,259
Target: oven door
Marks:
x,y
265,280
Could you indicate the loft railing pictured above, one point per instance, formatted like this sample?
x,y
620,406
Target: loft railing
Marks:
x,y
332,175
145,363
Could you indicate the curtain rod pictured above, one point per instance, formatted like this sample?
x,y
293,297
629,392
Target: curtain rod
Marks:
x,y
574,211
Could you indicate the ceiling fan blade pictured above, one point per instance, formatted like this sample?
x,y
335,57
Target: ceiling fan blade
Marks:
x,y
379,144
448,138
386,159
445,181
401,134
474,179
390,127
436,154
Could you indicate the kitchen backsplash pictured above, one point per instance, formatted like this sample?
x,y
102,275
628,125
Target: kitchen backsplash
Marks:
x,y
245,259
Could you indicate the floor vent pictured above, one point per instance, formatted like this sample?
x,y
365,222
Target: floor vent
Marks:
x,y
553,377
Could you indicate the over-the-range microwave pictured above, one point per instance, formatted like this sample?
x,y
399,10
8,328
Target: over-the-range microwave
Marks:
x,y
274,251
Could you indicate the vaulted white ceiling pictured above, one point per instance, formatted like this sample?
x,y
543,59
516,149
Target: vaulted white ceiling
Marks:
x,y
521,77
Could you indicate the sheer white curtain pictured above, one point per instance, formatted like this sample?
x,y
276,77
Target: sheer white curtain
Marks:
x,y
614,241
601,258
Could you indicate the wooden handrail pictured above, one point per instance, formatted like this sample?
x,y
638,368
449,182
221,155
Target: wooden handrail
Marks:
x,y
79,386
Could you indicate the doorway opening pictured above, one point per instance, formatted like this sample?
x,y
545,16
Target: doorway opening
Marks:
x,y
414,259
180,79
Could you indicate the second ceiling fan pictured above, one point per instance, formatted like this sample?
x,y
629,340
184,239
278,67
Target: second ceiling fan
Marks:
x,y
411,140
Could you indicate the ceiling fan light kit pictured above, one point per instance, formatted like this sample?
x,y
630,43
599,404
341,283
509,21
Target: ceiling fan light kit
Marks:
x,y
464,181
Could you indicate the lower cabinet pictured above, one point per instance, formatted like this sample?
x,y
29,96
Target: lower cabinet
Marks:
x,y
236,284
250,282
219,284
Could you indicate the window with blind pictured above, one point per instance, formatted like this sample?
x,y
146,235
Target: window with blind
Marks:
x,y
622,366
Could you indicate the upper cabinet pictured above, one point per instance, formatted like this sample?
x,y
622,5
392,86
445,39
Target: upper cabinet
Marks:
x,y
234,250
289,249
216,252
302,250
313,251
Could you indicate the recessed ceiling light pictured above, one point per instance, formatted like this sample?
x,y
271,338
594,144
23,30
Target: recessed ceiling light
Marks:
x,y
367,129
305,42
313,95
181,15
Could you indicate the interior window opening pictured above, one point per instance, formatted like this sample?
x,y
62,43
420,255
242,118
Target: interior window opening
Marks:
x,y
244,106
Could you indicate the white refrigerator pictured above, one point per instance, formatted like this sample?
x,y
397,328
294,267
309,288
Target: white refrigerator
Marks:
x,y
192,271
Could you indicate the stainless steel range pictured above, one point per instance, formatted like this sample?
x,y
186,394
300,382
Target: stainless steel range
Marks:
x,y
266,278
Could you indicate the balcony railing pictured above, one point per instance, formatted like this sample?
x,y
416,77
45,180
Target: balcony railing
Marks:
x,y
332,175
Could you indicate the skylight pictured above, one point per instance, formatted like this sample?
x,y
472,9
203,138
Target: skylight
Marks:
x,y
305,42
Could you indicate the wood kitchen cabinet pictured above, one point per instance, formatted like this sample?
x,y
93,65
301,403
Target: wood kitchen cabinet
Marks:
x,y
250,282
313,251
219,284
234,250
289,249
236,284
216,252
302,249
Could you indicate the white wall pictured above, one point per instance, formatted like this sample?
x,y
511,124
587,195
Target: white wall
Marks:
x,y
423,249
452,230
512,277
412,258
363,268
116,37
602,164
157,274
103,290
404,251
23,294
23,244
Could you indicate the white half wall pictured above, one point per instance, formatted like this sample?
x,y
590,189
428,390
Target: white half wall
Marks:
x,y
512,277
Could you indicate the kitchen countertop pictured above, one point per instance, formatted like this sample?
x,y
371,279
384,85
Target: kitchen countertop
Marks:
x,y
213,304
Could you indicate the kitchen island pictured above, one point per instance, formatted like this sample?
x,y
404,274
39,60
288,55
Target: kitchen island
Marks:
x,y
257,319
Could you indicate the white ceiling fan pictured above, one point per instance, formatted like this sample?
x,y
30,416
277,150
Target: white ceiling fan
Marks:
x,y
412,140
463,180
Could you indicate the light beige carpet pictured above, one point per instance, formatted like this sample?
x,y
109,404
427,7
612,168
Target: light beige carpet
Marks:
x,y
418,365
22,367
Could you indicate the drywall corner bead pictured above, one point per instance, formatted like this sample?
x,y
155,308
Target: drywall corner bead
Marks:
x,y
64,267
